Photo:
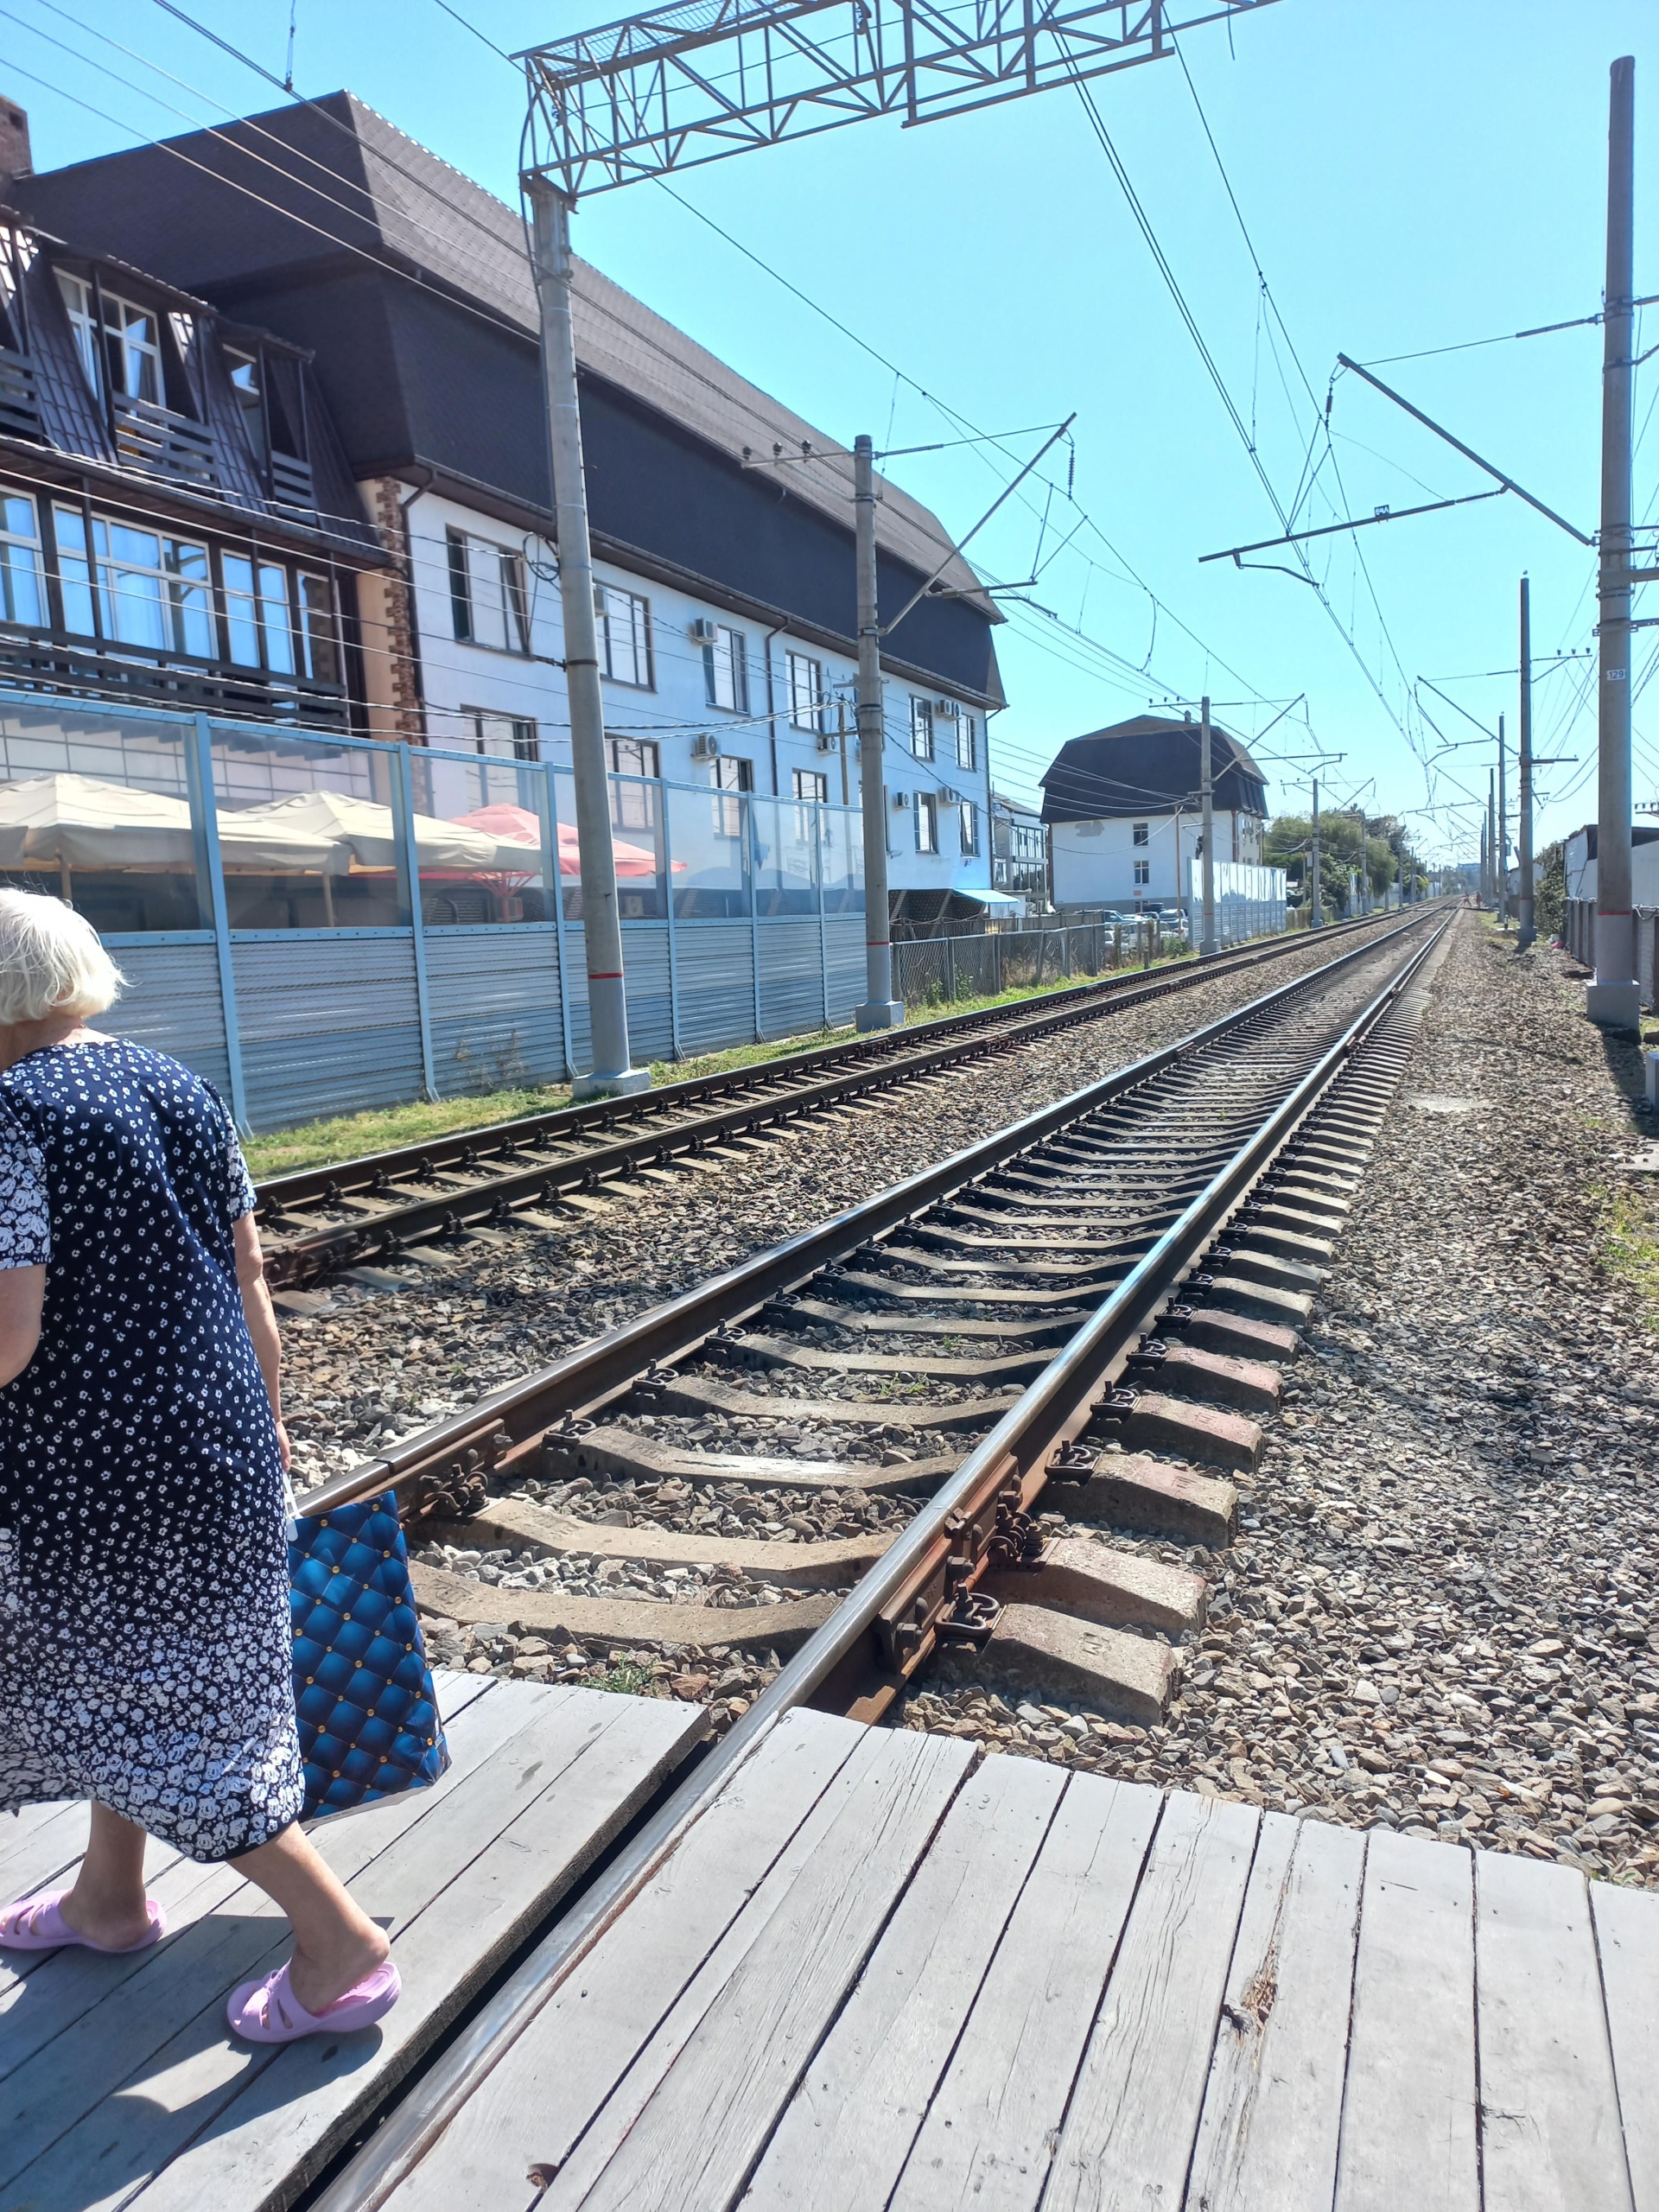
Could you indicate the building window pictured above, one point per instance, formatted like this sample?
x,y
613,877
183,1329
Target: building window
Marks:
x,y
732,776
1142,872
487,602
257,620
250,396
726,670
805,692
131,353
22,599
635,756
927,822
921,729
809,785
967,742
969,826
1143,833
152,590
632,806
624,637
502,734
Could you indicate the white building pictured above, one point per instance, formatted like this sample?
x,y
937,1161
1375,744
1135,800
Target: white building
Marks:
x,y
1124,810
1579,860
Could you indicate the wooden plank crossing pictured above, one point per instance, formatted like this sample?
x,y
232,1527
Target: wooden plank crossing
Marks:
x,y
874,1974
120,2081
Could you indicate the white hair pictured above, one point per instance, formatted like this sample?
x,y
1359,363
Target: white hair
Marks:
x,y
51,960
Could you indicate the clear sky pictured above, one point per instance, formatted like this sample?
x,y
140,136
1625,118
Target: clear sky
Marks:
x,y
1413,175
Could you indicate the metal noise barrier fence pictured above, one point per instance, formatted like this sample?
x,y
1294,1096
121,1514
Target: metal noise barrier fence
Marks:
x,y
1579,935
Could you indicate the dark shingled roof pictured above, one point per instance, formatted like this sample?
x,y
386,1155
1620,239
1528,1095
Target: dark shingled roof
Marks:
x,y
1148,765
352,177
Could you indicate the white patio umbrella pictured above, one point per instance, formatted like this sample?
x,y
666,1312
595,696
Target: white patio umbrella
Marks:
x,y
366,831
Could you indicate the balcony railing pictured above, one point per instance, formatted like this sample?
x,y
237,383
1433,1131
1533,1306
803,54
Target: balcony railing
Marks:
x,y
20,402
162,443
291,484
82,669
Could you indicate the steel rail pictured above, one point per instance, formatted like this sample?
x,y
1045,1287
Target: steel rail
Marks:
x,y
841,1071
453,1459
1053,1409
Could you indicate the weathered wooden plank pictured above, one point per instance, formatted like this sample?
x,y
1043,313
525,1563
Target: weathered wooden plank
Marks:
x,y
844,2137
1550,2132
1272,2109
611,2031
1408,2111
65,1985
1128,2136
89,2109
558,1798
991,2128
1627,1936
697,2138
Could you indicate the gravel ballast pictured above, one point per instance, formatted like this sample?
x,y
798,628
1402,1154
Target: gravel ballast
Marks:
x,y
1440,1615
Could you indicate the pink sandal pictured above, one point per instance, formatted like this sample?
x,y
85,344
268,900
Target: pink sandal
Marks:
x,y
268,2011
38,1924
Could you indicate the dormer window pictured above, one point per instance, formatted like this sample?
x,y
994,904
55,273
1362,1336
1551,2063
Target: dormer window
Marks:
x,y
249,394
130,353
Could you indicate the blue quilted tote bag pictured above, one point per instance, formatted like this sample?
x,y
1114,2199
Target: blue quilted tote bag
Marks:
x,y
368,1716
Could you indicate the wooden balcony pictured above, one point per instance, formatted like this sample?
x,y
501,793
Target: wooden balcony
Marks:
x,y
162,444
20,404
33,660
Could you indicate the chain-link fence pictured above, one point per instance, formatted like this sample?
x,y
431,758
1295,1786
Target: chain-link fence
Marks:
x,y
938,971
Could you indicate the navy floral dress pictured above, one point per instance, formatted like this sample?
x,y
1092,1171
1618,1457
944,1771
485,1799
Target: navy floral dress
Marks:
x,y
145,1649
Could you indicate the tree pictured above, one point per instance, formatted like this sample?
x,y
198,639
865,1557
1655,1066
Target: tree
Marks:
x,y
1550,908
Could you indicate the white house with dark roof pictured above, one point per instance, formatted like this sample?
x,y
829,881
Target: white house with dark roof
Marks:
x,y
1123,807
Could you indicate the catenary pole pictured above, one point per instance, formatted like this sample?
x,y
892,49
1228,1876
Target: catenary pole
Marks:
x,y
1614,999
1316,910
880,1010
1491,835
602,927
1503,845
1207,939
1527,901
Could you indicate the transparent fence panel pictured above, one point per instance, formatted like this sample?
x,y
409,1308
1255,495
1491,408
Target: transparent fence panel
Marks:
x,y
787,835
480,840
706,841
841,871
95,809
307,833
636,842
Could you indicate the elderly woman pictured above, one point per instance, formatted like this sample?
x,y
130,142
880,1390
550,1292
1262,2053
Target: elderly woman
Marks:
x,y
145,1650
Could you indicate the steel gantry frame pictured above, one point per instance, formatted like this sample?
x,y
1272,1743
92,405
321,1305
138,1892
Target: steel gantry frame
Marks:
x,y
638,98
693,82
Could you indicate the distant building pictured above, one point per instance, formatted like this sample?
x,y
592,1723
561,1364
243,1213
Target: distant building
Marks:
x,y
1018,849
1123,810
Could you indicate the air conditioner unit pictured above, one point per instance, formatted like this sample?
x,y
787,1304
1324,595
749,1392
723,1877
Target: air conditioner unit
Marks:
x,y
947,707
901,799
705,748
826,740
701,632
948,797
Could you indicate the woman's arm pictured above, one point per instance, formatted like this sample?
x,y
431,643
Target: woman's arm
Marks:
x,y
23,1298
261,1318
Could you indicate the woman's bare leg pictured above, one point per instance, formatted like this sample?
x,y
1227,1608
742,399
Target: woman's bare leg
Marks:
x,y
335,1942
107,1903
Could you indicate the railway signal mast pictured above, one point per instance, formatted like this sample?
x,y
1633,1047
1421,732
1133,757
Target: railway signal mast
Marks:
x,y
649,94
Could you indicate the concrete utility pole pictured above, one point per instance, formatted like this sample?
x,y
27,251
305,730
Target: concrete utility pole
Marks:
x,y
1316,911
880,1010
1614,999
1527,928
1492,834
1207,940
601,928
1503,846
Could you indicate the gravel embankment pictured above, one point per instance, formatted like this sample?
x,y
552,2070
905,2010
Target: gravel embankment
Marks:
x,y
1439,1617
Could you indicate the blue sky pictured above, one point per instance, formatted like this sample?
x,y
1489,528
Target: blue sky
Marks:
x,y
1413,176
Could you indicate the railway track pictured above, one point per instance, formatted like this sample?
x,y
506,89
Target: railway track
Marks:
x,y
366,1211
1125,1268
860,1361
